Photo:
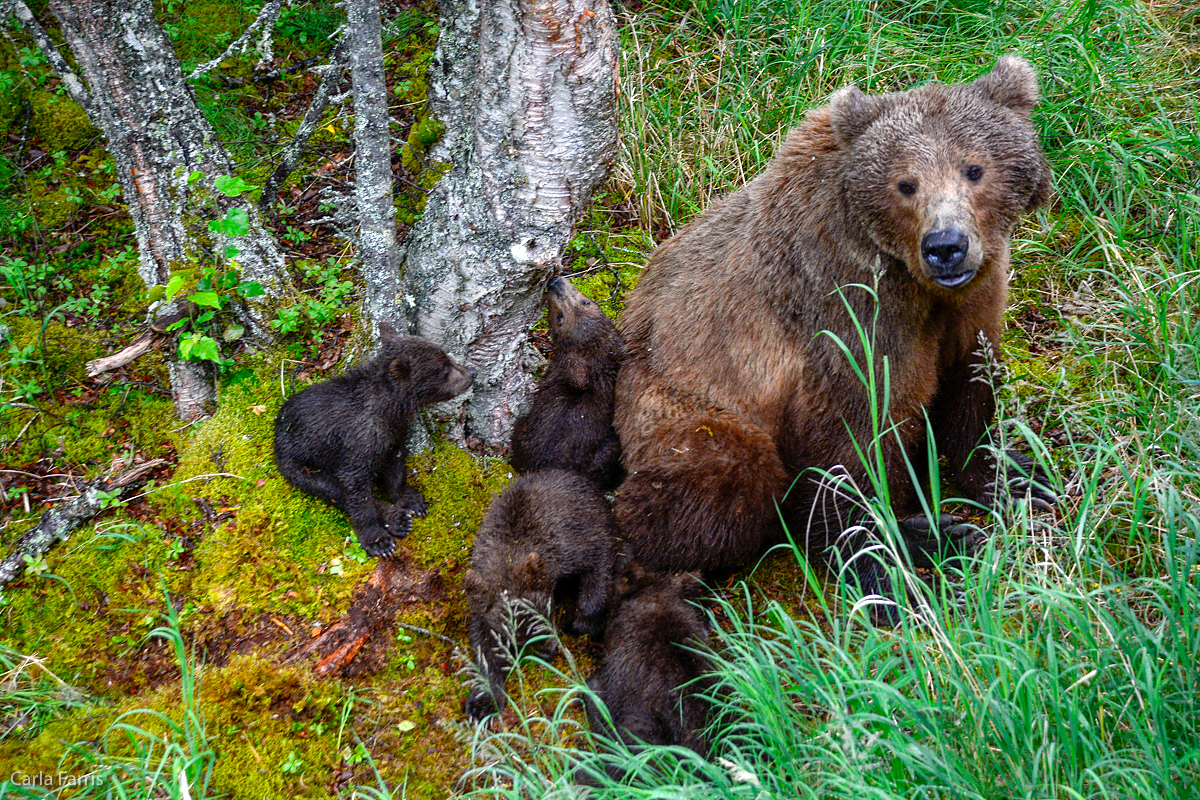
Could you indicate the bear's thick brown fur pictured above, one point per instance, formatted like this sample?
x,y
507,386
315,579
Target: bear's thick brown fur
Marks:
x,y
569,423
548,537
735,396
341,438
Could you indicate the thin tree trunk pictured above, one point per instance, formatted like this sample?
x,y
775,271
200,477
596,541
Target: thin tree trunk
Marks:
x,y
527,92
290,157
159,141
372,162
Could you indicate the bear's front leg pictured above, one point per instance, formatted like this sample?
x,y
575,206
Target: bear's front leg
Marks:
x,y
490,649
591,606
362,510
397,520
961,417
395,483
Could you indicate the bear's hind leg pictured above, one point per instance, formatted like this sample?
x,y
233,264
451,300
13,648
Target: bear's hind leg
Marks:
x,y
707,500
312,481
395,484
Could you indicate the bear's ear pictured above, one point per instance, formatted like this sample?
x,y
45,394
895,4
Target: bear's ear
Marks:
x,y
630,576
690,585
387,333
472,583
399,369
532,571
577,371
851,111
1012,84
1045,187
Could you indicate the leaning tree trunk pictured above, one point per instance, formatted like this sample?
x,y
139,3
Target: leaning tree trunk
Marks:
x,y
372,162
167,158
526,90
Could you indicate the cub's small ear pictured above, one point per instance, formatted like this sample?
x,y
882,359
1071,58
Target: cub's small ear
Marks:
x,y
533,571
399,368
690,585
387,333
630,577
851,111
472,583
1012,83
577,371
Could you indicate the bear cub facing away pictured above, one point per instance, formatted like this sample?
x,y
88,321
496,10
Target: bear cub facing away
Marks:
x,y
654,665
549,537
891,212
340,438
569,424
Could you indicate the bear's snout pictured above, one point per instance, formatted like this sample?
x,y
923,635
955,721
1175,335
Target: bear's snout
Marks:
x,y
944,251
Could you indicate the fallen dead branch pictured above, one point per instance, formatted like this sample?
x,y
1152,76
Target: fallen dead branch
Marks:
x,y
149,340
58,523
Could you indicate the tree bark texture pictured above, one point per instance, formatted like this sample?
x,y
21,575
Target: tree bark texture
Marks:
x,y
373,163
526,90
158,139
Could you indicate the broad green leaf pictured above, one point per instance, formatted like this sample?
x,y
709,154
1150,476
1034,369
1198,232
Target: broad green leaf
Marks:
x,y
207,299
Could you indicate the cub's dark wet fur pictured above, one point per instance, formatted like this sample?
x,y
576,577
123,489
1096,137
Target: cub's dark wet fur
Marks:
x,y
570,422
652,674
338,439
547,537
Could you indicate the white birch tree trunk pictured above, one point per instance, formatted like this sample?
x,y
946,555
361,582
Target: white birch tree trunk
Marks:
x,y
527,92
158,139
373,163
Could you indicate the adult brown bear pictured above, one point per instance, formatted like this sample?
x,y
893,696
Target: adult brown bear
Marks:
x,y
890,212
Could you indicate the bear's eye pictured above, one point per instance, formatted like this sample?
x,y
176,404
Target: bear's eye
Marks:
x,y
906,188
974,173
586,303
558,320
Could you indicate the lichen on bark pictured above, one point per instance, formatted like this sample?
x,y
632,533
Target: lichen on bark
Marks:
x,y
526,90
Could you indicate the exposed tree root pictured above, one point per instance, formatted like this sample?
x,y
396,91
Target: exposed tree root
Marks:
x,y
368,625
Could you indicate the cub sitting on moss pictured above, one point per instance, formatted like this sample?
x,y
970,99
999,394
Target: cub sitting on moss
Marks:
x,y
338,439
570,422
548,537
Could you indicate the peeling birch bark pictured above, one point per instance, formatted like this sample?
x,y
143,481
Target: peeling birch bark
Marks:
x,y
373,163
158,139
527,92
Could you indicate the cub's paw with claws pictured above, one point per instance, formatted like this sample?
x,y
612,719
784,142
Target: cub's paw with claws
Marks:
x,y
376,541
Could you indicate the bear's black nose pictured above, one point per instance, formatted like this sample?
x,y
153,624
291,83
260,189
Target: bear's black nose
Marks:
x,y
945,250
556,286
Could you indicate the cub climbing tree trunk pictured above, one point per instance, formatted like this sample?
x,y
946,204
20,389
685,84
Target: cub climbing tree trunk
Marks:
x,y
526,90
166,154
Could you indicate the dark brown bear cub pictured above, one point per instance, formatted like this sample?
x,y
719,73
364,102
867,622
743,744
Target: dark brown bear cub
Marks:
x,y
569,425
338,439
547,538
654,667
890,214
